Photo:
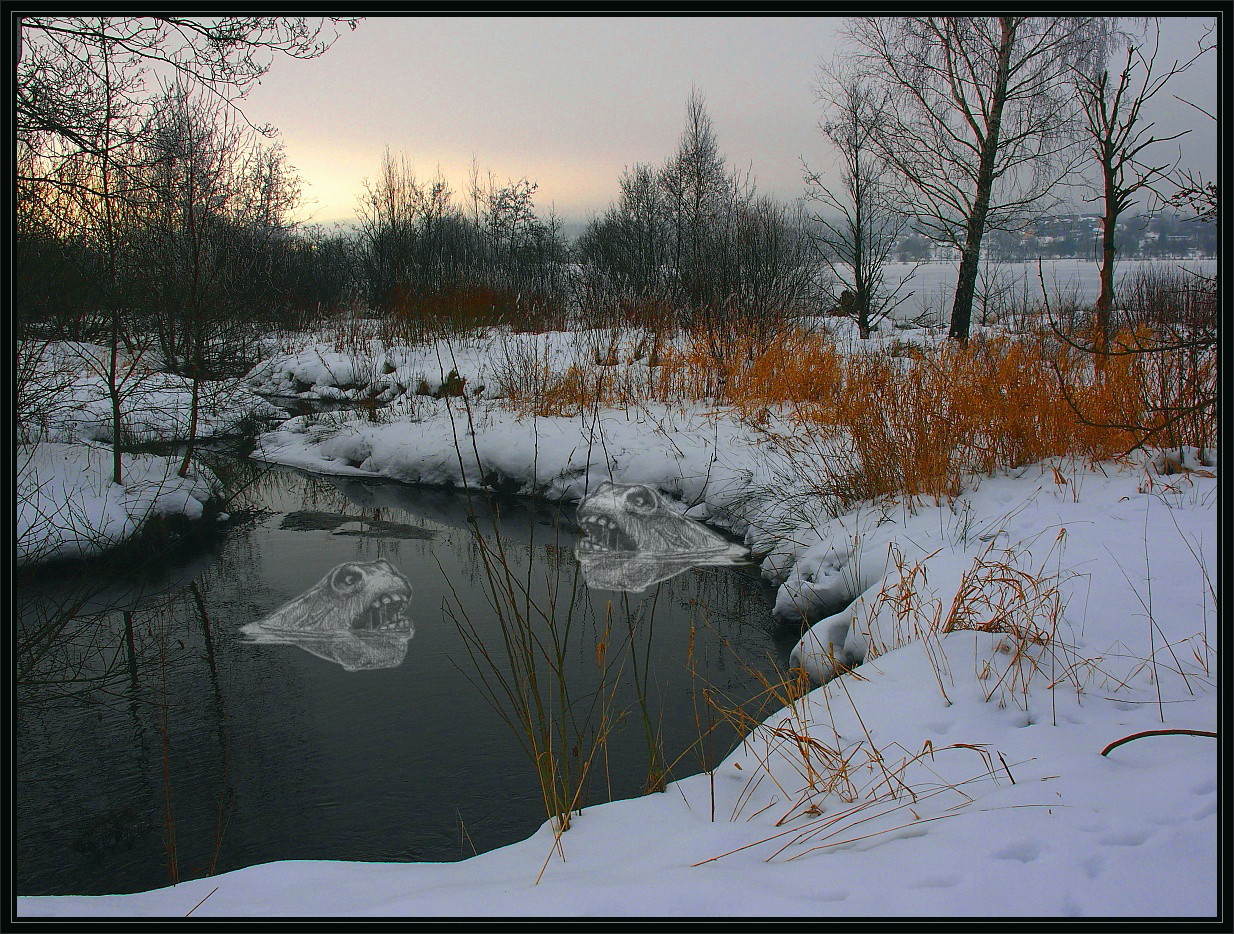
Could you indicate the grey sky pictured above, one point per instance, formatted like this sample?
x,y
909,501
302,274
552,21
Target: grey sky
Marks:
x,y
570,102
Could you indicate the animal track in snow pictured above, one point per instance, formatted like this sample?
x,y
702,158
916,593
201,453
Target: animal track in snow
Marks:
x,y
1206,787
832,895
1205,812
1025,851
1093,866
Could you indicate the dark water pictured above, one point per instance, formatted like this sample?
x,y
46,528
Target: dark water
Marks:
x,y
154,741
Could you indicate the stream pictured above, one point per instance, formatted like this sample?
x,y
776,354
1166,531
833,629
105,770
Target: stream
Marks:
x,y
159,735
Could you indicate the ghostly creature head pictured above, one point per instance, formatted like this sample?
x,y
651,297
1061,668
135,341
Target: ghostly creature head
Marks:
x,y
354,616
633,539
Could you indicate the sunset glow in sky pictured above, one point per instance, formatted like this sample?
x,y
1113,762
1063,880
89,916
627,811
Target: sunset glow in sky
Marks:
x,y
570,102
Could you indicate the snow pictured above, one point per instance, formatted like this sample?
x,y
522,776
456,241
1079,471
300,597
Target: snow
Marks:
x,y
684,453
68,506
68,400
954,772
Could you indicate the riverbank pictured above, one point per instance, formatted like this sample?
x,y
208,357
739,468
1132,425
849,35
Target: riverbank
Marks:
x,y
958,774
69,507
68,503
957,771
1008,638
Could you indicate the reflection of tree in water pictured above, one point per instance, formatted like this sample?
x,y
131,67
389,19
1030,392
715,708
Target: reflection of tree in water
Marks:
x,y
78,636
91,654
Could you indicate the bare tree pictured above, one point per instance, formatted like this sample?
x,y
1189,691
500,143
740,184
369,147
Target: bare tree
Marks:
x,y
217,199
1192,191
857,225
81,102
698,190
62,92
499,256
624,254
398,214
694,244
1118,135
772,269
1174,338
980,123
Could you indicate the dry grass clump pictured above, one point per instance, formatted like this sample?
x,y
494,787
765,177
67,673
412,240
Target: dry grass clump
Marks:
x,y
524,374
916,425
833,789
1021,397
734,369
529,386
905,421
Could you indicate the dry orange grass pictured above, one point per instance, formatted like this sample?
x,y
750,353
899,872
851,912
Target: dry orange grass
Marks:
x,y
801,367
905,421
1021,396
917,423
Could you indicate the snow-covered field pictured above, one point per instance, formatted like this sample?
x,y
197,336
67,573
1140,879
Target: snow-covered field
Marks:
x,y
1006,640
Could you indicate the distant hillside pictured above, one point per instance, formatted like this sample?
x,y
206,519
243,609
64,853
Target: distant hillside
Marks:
x,y
1058,236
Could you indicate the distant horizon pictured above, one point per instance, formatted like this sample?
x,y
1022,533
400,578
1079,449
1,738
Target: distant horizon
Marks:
x,y
570,102
577,226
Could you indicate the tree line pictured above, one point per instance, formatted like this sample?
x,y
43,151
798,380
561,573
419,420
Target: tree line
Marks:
x,y
147,202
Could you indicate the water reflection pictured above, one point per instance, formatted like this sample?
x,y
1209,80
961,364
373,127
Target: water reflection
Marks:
x,y
154,741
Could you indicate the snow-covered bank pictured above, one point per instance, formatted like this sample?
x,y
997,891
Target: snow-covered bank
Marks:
x,y
1077,834
952,775
1006,640
957,771
499,362
707,463
357,370
68,506
65,398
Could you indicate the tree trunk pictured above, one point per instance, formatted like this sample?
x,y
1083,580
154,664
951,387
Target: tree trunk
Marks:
x,y
113,392
1105,300
197,329
966,282
194,408
970,257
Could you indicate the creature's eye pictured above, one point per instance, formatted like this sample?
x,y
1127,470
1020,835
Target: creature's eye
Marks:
x,y
346,577
641,499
